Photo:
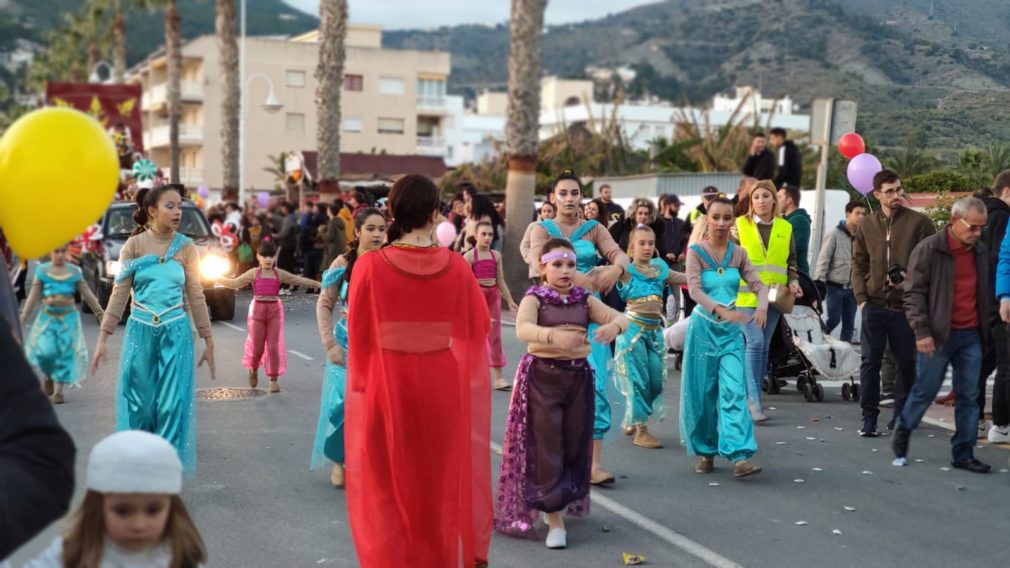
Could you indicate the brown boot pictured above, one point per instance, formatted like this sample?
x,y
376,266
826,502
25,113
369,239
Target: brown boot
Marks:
x,y
337,475
643,439
601,477
743,468
274,387
47,386
254,378
704,465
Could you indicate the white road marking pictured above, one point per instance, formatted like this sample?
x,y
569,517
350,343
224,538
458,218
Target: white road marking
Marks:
x,y
301,355
699,551
232,326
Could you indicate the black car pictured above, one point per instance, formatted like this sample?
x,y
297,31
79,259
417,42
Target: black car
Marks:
x,y
101,266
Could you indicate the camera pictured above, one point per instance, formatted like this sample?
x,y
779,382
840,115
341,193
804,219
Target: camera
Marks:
x,y
894,274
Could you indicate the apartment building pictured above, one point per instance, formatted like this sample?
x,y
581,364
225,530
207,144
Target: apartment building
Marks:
x,y
393,101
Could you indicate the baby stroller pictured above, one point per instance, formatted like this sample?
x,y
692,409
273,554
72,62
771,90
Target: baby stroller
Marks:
x,y
802,348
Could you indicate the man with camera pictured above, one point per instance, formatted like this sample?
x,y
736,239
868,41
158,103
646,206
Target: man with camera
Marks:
x,y
880,253
948,300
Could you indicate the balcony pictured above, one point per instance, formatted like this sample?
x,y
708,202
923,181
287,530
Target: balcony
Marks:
x,y
157,96
189,135
432,106
431,146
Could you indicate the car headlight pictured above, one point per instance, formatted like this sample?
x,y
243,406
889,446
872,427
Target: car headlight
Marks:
x,y
113,267
213,266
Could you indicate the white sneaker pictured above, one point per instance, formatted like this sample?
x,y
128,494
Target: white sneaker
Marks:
x,y
983,427
755,411
999,435
557,538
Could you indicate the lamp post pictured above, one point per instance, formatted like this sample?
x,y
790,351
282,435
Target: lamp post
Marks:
x,y
271,105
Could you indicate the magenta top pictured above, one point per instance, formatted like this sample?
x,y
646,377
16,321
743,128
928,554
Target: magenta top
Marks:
x,y
266,286
486,268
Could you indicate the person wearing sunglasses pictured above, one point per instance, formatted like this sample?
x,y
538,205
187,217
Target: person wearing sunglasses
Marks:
x,y
947,301
880,253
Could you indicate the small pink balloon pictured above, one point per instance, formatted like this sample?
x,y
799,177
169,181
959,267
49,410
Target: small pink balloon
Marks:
x,y
861,170
203,191
445,233
263,199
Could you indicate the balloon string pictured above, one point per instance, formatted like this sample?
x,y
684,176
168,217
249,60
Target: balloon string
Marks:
x,y
868,203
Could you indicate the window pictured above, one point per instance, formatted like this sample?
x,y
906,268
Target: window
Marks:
x,y
390,126
432,88
391,86
353,82
294,78
295,121
352,124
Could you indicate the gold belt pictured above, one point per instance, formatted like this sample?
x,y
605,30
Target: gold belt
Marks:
x,y
650,298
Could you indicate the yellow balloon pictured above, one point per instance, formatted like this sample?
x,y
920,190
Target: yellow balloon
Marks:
x,y
58,173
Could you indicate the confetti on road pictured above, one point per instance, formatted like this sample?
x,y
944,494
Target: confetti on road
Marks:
x,y
714,484
801,427
1004,470
780,443
867,472
798,480
836,532
931,436
811,438
839,428
944,468
800,523
816,469
874,450
772,408
849,509
920,460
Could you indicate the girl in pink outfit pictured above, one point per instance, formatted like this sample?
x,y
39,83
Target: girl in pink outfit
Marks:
x,y
265,322
487,267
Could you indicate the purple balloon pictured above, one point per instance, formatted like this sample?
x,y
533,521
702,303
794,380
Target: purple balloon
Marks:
x,y
203,191
861,170
263,199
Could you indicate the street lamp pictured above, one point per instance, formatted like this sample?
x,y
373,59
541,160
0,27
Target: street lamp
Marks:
x,y
95,77
271,105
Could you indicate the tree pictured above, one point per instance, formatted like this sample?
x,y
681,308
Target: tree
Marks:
x,y
330,78
230,100
173,54
526,26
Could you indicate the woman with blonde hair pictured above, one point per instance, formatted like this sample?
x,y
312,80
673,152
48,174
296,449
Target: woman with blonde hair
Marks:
x,y
768,240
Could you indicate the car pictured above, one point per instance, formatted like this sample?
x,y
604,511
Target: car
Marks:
x,y
101,267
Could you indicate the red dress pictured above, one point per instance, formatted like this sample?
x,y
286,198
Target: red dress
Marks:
x,y
418,411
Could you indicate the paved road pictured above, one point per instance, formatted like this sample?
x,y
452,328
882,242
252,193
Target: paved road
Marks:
x,y
257,505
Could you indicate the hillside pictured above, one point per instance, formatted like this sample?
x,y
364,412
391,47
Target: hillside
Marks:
x,y
945,73
30,19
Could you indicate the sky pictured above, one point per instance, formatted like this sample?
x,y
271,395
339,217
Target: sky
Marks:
x,y
400,14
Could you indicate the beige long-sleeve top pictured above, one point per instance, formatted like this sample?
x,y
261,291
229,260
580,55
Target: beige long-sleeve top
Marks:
x,y
738,259
249,276
599,235
147,243
524,250
537,337
499,279
329,297
35,297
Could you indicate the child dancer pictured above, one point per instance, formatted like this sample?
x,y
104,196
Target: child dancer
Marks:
x,y
546,458
131,514
369,233
714,418
640,363
266,314
55,344
491,278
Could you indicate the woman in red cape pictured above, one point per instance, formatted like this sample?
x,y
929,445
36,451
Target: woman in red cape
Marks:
x,y
419,399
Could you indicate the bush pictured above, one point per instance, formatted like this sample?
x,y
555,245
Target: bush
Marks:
x,y
939,181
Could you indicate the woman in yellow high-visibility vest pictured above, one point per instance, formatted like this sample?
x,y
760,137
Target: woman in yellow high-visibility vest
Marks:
x,y
768,240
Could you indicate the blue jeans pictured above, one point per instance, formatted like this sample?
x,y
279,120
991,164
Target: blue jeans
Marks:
x,y
962,350
841,308
758,340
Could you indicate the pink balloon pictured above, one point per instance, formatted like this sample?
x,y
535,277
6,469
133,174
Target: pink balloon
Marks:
x,y
861,170
445,233
263,199
203,191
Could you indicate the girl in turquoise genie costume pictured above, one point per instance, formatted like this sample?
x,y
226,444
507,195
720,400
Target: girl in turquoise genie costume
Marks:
x,y
590,240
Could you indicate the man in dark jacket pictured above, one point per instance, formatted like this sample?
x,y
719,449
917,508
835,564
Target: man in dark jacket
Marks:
x,y
787,158
36,453
880,252
760,162
789,202
947,302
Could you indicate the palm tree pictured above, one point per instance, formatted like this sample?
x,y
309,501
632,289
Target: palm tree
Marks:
x,y
522,130
230,101
118,42
173,55
330,76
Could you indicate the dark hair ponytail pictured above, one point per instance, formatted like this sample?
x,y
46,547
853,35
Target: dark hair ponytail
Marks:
x,y
412,200
147,198
352,254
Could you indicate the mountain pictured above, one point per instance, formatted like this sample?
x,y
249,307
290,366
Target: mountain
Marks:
x,y
939,68
30,19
